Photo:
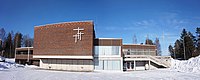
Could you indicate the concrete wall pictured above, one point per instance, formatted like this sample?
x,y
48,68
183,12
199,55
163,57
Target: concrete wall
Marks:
x,y
69,65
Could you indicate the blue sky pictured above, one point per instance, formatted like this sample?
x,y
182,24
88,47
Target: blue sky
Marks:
x,y
112,18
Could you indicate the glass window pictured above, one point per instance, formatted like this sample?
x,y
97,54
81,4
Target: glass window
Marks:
x,y
116,65
105,63
99,65
74,62
96,50
110,65
45,61
107,50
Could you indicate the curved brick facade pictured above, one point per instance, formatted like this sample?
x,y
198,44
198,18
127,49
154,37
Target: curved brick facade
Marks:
x,y
57,39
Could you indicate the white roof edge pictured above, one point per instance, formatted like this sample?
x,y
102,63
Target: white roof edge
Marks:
x,y
108,38
65,22
138,44
24,47
67,57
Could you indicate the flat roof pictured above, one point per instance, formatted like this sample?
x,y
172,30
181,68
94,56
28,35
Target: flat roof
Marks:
x,y
139,44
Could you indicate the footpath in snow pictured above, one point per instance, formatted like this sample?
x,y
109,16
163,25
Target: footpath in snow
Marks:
x,y
191,65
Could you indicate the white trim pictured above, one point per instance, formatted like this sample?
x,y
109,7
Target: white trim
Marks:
x,y
67,57
108,38
124,44
107,56
24,47
137,59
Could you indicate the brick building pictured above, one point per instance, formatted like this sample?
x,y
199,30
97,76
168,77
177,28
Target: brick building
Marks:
x,y
66,46
73,46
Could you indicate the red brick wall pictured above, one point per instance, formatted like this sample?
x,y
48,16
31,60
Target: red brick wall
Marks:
x,y
57,39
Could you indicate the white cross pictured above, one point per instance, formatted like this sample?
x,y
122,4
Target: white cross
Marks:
x,y
78,35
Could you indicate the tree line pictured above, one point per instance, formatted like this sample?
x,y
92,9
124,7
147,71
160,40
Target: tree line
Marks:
x,y
187,46
10,41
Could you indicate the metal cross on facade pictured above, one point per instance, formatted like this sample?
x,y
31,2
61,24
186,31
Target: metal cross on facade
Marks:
x,y
78,35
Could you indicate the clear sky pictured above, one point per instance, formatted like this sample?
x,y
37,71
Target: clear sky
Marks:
x,y
112,18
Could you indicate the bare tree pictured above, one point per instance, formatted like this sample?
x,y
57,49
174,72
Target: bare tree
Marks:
x,y
134,39
2,38
157,43
27,41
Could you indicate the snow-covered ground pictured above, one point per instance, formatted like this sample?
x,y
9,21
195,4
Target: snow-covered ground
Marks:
x,y
19,72
38,74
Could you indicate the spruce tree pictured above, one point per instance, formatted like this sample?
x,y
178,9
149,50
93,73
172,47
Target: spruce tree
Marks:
x,y
189,46
187,41
8,46
178,49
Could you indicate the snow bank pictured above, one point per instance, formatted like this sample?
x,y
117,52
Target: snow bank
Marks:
x,y
8,64
191,65
2,59
31,66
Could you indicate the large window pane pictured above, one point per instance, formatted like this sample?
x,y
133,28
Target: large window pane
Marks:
x,y
110,65
107,50
116,65
105,63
